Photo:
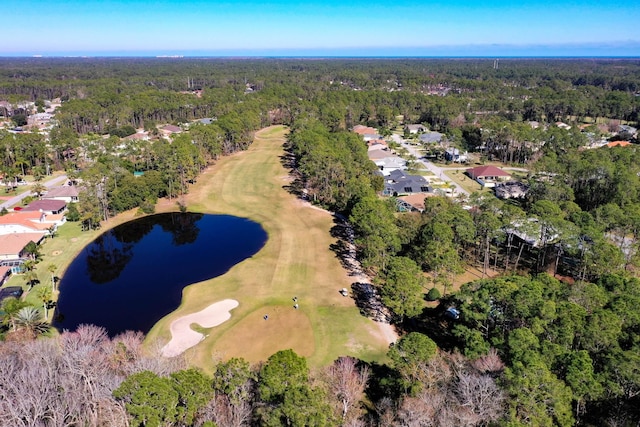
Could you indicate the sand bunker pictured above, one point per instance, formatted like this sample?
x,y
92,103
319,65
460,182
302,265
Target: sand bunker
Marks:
x,y
183,337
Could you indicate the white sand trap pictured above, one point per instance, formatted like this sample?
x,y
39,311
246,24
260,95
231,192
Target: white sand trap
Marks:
x,y
183,337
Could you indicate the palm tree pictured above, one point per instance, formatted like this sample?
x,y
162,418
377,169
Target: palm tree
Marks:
x,y
44,294
51,268
33,252
38,173
39,189
21,163
30,319
31,278
10,307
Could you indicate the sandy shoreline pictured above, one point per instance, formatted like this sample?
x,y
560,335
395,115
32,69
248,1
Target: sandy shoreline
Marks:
x,y
183,337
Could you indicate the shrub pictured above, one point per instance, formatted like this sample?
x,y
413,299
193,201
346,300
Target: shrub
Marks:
x,y
433,294
72,213
148,206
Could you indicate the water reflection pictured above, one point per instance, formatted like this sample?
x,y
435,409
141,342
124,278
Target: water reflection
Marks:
x,y
110,253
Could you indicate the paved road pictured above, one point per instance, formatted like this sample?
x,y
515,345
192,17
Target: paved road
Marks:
x,y
53,182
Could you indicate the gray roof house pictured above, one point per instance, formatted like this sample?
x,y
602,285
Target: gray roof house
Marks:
x,y
431,137
416,128
390,164
626,128
511,190
397,182
386,161
68,193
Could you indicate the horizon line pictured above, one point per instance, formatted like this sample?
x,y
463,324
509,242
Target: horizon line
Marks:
x,y
319,56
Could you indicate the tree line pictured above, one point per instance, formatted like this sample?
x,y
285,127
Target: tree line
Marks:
x,y
84,378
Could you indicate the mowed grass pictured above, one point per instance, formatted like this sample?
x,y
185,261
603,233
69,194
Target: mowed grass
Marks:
x,y
465,182
296,261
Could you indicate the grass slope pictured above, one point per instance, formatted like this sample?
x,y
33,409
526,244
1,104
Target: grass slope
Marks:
x,y
296,261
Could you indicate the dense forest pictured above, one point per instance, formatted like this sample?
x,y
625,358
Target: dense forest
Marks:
x,y
523,348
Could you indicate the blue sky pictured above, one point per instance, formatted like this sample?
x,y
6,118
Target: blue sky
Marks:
x,y
283,27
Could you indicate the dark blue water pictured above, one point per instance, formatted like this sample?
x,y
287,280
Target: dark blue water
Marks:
x,y
133,275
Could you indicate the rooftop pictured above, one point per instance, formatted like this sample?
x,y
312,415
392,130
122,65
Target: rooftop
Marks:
x,y
13,244
64,191
46,205
486,171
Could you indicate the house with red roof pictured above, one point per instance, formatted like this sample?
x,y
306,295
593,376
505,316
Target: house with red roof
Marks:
x,y
618,144
362,130
487,176
30,222
412,202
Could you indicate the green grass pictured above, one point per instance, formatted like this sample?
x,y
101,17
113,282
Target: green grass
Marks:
x,y
465,182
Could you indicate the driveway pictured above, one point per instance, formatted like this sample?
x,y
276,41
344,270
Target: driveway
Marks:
x,y
437,171
53,182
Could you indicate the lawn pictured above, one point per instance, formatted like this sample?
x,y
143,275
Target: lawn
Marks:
x,y
459,177
296,261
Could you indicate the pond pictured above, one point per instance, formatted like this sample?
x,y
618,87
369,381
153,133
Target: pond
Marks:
x,y
133,275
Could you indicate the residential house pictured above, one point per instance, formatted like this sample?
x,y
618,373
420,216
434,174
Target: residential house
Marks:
x,y
431,137
390,164
399,183
361,130
412,202
415,128
30,222
618,144
48,206
378,154
12,246
453,155
562,125
371,137
138,136
511,190
66,193
378,144
629,129
488,175
386,161
39,119
531,232
169,130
